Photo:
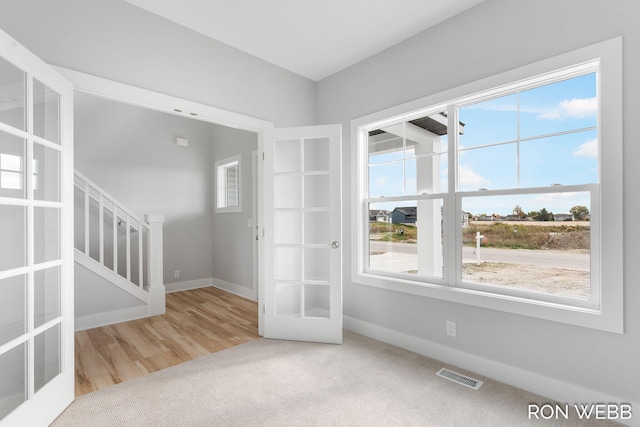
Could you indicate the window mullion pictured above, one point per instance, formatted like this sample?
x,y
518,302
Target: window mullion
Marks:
x,y
451,244
404,158
518,139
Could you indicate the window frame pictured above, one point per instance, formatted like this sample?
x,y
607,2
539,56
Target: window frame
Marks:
x,y
605,311
221,165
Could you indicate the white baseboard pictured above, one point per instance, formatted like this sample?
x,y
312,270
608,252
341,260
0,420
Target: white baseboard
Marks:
x,y
187,285
110,317
210,281
535,383
235,289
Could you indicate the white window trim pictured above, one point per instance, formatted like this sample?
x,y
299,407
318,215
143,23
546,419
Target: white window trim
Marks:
x,y
222,163
607,265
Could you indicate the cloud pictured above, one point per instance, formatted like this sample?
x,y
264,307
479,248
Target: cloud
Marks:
x,y
588,149
553,197
380,181
576,108
469,178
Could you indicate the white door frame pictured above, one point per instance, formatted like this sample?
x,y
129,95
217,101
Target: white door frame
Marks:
x,y
255,215
133,95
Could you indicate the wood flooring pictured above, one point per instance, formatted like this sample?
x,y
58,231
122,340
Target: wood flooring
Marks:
x,y
197,322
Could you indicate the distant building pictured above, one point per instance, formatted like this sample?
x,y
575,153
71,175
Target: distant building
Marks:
x,y
379,215
407,215
562,217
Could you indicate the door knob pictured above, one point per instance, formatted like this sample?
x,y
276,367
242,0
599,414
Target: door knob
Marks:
x,y
335,245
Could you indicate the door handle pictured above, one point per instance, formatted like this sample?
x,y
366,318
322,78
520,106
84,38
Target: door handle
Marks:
x,y
335,245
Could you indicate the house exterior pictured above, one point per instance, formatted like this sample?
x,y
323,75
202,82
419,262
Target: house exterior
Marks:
x,y
404,215
379,215
149,52
562,217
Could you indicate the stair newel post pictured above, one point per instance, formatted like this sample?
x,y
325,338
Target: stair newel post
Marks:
x,y
156,279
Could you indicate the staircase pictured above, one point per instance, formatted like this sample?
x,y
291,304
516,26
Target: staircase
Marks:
x,y
118,259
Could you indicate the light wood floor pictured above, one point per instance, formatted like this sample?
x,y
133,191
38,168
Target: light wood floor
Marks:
x,y
198,322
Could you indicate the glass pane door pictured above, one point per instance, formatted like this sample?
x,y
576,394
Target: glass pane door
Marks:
x,y
303,293
36,283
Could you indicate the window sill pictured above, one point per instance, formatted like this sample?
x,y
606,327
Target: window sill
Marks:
x,y
236,209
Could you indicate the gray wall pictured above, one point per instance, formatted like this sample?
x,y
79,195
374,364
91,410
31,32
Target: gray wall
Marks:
x,y
232,239
95,295
493,37
118,41
131,153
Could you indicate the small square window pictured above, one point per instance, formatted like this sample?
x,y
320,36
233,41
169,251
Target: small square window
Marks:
x,y
228,185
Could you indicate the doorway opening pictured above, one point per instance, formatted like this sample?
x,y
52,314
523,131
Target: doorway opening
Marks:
x,y
162,162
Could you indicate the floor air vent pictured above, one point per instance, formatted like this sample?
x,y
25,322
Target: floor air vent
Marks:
x,y
459,378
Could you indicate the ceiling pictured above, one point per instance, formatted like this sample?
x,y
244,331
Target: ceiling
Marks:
x,y
312,38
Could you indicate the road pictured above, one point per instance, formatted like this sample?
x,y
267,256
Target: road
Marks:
x,y
542,258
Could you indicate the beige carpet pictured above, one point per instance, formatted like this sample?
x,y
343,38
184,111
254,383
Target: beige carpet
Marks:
x,y
280,383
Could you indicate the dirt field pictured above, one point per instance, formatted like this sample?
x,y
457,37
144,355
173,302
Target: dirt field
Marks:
x,y
555,281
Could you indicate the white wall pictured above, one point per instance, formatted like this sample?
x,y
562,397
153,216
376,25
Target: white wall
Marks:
x,y
232,238
493,37
118,41
131,153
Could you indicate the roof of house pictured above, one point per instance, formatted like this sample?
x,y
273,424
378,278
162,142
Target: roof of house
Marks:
x,y
407,211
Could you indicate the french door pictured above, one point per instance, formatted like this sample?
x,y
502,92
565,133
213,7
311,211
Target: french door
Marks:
x,y
301,253
36,228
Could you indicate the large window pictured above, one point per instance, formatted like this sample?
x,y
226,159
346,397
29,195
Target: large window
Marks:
x,y
503,193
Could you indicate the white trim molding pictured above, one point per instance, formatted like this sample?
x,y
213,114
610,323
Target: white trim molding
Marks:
x,y
133,95
188,285
97,320
241,291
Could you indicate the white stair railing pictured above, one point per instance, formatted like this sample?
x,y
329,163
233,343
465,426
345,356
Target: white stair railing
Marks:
x,y
110,234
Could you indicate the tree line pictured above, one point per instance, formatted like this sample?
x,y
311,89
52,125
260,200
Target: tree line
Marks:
x,y
580,213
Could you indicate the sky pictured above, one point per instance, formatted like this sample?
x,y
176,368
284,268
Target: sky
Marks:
x,y
510,142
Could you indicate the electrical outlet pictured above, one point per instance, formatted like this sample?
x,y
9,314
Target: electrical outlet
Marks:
x,y
176,274
451,328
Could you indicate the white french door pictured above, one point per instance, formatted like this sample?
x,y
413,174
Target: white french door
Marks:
x,y
300,252
36,229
